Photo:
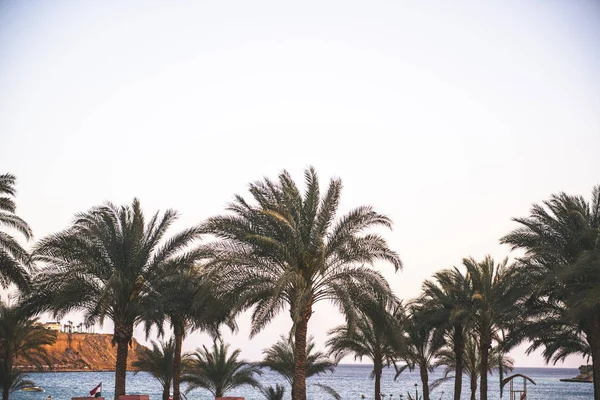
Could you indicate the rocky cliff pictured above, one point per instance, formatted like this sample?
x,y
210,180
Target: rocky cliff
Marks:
x,y
85,352
585,375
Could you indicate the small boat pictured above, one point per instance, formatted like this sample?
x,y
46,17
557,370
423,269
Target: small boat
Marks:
x,y
33,389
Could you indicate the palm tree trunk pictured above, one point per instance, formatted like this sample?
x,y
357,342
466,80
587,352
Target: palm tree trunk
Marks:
x,y
473,386
122,337
178,333
7,376
459,349
483,368
377,369
299,384
424,381
593,337
166,391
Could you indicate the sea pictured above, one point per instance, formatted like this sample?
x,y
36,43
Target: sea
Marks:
x,y
350,381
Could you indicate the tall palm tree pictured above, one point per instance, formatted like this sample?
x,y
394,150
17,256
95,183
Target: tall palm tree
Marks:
x,y
280,358
20,337
447,302
219,372
158,361
373,336
422,345
497,302
288,250
14,260
471,360
106,264
561,241
186,300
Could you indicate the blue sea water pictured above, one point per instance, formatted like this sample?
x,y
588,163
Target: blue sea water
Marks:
x,y
349,380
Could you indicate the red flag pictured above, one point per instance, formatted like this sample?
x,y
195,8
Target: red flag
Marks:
x,y
97,391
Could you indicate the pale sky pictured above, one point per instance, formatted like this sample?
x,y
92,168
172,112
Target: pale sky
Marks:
x,y
449,116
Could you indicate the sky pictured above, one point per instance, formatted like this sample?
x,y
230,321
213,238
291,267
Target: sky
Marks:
x,y
449,117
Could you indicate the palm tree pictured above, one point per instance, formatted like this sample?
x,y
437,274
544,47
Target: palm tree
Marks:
x,y
186,299
497,304
20,337
19,381
218,372
422,345
106,264
14,260
447,303
159,362
471,360
280,358
273,393
288,250
372,336
561,240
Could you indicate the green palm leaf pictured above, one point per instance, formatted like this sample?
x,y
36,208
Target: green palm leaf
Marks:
x,y
220,372
15,263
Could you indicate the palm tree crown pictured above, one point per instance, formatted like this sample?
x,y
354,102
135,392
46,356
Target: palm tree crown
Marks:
x,y
106,264
447,303
273,393
158,361
13,256
280,358
186,299
289,250
471,362
20,337
375,335
497,299
422,345
561,266
219,372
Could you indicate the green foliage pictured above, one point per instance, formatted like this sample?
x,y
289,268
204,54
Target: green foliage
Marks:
x,y
219,372
158,361
375,335
289,250
471,364
20,337
273,393
561,266
14,259
109,261
498,304
108,264
422,345
280,358
19,381
187,300
447,302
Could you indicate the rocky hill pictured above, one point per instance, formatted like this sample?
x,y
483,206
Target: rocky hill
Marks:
x,y
585,375
85,352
